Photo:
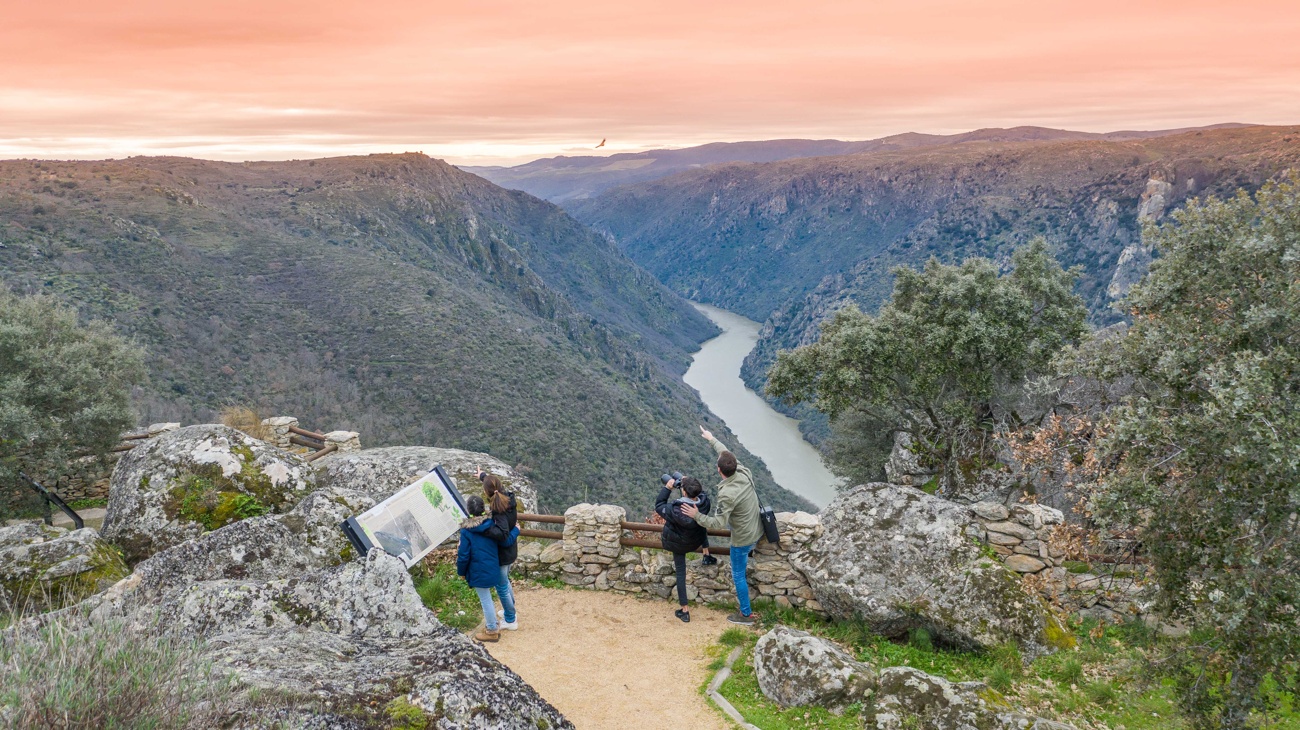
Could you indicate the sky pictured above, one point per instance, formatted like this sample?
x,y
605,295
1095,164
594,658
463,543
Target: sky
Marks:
x,y
502,82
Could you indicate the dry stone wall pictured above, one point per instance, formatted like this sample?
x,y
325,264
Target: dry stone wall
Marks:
x,y
589,555
1022,536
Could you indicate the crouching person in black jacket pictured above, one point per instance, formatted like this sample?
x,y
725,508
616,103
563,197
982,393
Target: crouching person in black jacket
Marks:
x,y
683,534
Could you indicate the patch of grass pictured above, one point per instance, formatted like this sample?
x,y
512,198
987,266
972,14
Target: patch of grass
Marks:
x,y
447,595
71,673
741,690
1099,681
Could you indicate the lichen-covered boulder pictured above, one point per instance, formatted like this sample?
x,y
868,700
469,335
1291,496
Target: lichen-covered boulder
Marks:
x,y
44,568
353,641
910,698
795,668
264,548
191,480
381,472
902,559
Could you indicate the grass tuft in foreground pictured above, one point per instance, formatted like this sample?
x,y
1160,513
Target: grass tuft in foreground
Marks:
x,y
447,595
107,675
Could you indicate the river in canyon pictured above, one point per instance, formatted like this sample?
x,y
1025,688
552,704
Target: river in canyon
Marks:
x,y
772,436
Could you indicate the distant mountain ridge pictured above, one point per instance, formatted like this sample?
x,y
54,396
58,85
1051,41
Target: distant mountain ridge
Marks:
x,y
391,294
564,179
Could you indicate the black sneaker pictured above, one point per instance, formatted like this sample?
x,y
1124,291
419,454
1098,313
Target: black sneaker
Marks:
x,y
685,616
708,560
742,619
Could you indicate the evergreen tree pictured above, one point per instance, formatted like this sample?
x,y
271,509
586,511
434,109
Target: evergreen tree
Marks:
x,y
64,388
1207,446
944,361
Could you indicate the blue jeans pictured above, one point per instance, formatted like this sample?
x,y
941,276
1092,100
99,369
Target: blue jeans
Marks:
x,y
507,597
739,565
507,594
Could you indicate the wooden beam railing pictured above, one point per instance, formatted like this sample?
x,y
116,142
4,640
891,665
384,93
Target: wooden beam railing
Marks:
x,y
626,541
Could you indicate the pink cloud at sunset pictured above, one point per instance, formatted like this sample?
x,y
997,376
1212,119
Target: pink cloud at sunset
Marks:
x,y
493,81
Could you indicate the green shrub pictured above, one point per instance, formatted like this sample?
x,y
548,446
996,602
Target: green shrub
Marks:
x,y
107,675
920,639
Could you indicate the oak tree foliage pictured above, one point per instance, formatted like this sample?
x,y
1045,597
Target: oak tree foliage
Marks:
x,y
1207,444
64,388
945,361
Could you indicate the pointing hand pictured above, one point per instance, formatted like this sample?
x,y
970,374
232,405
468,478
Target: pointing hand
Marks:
x,y
706,434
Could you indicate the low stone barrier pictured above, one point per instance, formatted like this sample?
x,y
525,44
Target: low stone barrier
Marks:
x,y
589,556
1023,537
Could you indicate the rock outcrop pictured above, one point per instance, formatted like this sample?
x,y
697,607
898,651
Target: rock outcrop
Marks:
x,y
901,559
344,643
380,472
795,668
177,486
43,567
910,698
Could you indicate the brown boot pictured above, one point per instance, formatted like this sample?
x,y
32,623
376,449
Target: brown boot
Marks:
x,y
486,635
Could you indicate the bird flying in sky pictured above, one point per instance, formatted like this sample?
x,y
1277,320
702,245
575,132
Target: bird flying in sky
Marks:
x,y
602,144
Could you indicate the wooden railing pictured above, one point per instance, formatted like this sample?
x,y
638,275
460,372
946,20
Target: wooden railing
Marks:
x,y
625,541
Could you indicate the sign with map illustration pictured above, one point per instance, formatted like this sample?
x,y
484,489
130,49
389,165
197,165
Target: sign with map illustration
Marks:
x,y
413,521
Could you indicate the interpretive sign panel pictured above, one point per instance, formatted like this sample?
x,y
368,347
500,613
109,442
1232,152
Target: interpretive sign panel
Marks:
x,y
413,521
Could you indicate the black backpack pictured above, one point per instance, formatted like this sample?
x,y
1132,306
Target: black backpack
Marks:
x,y
768,518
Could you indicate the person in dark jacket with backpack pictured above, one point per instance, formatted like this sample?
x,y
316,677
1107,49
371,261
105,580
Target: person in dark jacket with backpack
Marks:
x,y
682,534
478,562
505,520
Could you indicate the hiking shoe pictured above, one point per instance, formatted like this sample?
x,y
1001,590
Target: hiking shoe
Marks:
x,y
708,560
510,625
683,615
487,635
742,619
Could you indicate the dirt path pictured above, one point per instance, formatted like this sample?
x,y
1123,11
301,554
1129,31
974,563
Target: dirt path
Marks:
x,y
611,661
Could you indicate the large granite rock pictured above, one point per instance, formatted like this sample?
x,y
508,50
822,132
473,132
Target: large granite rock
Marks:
x,y
381,472
901,559
183,483
795,668
910,698
352,641
44,568
307,538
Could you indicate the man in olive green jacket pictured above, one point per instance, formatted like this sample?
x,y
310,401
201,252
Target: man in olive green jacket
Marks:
x,y
736,510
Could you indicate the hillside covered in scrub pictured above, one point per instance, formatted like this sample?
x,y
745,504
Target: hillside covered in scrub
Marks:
x,y
790,240
392,295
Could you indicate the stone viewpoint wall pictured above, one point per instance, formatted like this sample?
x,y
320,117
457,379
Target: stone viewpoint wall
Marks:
x,y
589,556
